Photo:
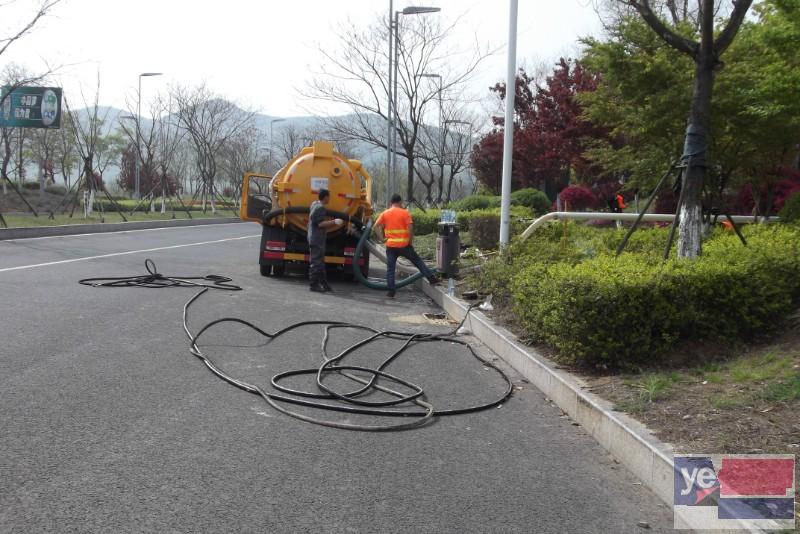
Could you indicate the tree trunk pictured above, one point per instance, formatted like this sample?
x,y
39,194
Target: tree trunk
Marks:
x,y
694,153
410,185
440,193
450,187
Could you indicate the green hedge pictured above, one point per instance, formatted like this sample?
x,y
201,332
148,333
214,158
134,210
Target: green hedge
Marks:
x,y
628,310
791,209
476,202
427,222
531,198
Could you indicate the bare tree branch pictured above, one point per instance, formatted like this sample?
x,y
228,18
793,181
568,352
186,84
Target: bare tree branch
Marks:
x,y
682,44
725,38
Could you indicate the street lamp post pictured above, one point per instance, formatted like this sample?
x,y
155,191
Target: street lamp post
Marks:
x,y
271,122
393,68
137,192
389,110
508,128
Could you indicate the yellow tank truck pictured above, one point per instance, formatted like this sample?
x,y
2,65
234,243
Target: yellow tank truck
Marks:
x,y
281,204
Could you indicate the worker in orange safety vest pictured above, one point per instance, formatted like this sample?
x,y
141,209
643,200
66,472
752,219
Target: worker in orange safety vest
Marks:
x,y
395,227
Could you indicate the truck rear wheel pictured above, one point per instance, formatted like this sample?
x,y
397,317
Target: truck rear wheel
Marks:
x,y
266,270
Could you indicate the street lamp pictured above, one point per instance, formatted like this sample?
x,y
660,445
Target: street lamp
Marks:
x,y
271,122
137,193
393,74
508,128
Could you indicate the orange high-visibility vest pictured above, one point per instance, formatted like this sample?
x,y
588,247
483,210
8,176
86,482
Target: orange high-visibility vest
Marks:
x,y
396,227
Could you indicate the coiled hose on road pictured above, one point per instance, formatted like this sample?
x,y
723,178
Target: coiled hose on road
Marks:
x,y
353,401
156,280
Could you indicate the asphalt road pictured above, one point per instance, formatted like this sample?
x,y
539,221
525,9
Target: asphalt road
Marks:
x,y
109,424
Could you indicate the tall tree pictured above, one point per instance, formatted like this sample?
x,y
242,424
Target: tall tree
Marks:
x,y
355,75
43,8
642,97
210,122
551,134
706,54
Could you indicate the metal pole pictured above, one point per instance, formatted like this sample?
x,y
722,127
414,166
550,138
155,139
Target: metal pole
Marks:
x,y
138,135
394,99
508,133
442,135
389,112
20,179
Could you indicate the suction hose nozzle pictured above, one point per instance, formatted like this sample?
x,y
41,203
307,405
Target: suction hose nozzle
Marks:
x,y
372,284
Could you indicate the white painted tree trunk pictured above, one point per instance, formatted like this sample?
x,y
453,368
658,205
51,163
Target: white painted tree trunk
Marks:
x,y
690,231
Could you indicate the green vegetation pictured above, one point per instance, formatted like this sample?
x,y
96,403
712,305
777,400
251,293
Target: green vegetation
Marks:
x,y
791,209
425,222
568,290
533,199
754,379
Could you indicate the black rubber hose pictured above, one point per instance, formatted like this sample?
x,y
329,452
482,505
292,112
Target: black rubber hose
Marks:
x,y
156,280
331,365
349,402
372,284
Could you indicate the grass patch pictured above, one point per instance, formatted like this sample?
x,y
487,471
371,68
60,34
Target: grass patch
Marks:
x,y
655,386
783,391
727,401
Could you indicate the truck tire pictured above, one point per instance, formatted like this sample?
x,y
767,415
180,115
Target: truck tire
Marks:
x,y
266,270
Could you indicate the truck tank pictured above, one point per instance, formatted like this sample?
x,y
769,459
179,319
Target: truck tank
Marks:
x,y
281,204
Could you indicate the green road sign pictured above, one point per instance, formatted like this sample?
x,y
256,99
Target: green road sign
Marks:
x,y
30,107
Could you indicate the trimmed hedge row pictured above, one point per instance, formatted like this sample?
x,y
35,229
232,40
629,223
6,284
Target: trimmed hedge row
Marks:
x,y
528,197
628,310
427,222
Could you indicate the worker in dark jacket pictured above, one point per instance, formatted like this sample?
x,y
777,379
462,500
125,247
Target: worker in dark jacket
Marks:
x,y
318,226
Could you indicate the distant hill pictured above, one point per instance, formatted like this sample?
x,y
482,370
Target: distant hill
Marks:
x,y
372,157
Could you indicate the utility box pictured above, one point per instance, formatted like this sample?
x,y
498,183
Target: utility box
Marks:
x,y
448,248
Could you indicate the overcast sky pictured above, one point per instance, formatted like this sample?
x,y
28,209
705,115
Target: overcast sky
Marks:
x,y
257,52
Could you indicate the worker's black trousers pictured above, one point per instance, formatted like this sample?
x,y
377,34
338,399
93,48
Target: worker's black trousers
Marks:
x,y
392,253
316,272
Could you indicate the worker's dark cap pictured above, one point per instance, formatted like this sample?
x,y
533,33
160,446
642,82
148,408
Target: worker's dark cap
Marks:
x,y
323,193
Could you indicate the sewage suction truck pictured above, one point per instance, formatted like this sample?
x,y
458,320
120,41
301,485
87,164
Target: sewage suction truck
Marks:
x,y
280,203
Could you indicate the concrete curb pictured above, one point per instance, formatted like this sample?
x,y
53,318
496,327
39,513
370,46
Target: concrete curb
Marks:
x,y
625,438
74,229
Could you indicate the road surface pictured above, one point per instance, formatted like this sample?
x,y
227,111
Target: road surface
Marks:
x,y
109,424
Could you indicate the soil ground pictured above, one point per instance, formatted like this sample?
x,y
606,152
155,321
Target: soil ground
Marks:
x,y
707,399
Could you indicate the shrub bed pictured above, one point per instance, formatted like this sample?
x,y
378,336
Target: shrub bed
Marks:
x,y
426,222
625,311
533,199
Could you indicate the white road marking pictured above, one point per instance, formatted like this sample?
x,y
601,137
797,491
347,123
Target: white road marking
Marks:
x,y
116,232
7,269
